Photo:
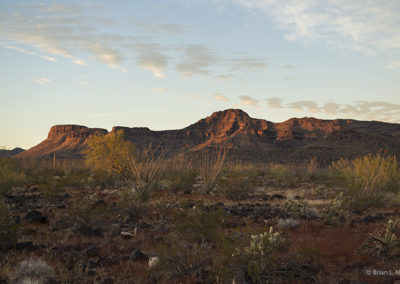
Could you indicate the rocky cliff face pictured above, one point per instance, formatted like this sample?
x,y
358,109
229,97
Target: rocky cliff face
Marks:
x,y
67,141
250,138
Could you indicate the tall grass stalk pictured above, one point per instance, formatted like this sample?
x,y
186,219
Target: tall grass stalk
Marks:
x,y
210,167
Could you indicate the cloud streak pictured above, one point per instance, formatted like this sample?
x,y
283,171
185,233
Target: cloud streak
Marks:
x,y
249,101
220,97
366,110
371,27
71,31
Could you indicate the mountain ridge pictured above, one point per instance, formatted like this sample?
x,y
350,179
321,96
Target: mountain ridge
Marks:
x,y
250,138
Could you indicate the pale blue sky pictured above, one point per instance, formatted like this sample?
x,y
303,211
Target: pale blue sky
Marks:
x,y
165,64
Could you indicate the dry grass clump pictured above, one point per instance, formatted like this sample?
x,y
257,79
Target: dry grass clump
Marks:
x,y
11,174
369,178
33,270
210,166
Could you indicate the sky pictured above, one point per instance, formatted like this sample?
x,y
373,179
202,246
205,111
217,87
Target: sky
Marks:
x,y
165,64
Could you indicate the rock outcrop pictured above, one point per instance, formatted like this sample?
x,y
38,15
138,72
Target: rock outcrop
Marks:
x,y
250,138
67,141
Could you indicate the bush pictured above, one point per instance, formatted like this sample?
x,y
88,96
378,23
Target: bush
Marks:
x,y
261,255
300,209
335,211
236,187
8,230
200,224
210,168
179,173
33,271
385,244
368,179
11,175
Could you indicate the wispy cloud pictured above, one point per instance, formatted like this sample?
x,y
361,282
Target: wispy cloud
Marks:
x,y
83,83
160,90
274,102
42,80
22,50
80,62
49,58
249,101
366,110
220,97
366,26
71,31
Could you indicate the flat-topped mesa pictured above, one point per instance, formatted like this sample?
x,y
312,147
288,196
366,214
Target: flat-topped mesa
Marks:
x,y
132,130
75,131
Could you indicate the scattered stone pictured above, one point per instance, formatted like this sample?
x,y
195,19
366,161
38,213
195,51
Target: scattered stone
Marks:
x,y
108,281
138,255
34,216
87,230
288,223
92,251
127,235
153,261
25,245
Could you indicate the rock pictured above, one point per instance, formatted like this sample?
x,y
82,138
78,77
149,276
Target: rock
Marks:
x,y
127,235
138,255
92,251
108,281
34,216
25,245
153,261
87,230
288,223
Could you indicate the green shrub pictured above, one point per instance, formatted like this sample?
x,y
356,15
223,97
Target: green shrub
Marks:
x,y
179,173
236,187
210,167
385,244
300,209
199,224
262,256
368,179
11,175
333,213
8,230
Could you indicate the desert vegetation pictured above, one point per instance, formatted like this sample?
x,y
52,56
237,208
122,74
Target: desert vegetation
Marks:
x,y
135,215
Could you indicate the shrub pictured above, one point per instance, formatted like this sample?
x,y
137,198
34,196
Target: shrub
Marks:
x,y
109,152
33,271
210,167
200,224
8,230
236,187
385,244
179,173
335,211
368,179
10,175
261,255
300,209
140,168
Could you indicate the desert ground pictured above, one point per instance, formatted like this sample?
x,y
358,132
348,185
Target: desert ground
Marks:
x,y
198,219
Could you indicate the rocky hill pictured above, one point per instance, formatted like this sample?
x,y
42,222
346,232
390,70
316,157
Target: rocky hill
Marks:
x,y
251,139
10,153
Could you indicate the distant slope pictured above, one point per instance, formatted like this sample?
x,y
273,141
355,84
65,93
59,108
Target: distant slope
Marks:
x,y
250,138
11,153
